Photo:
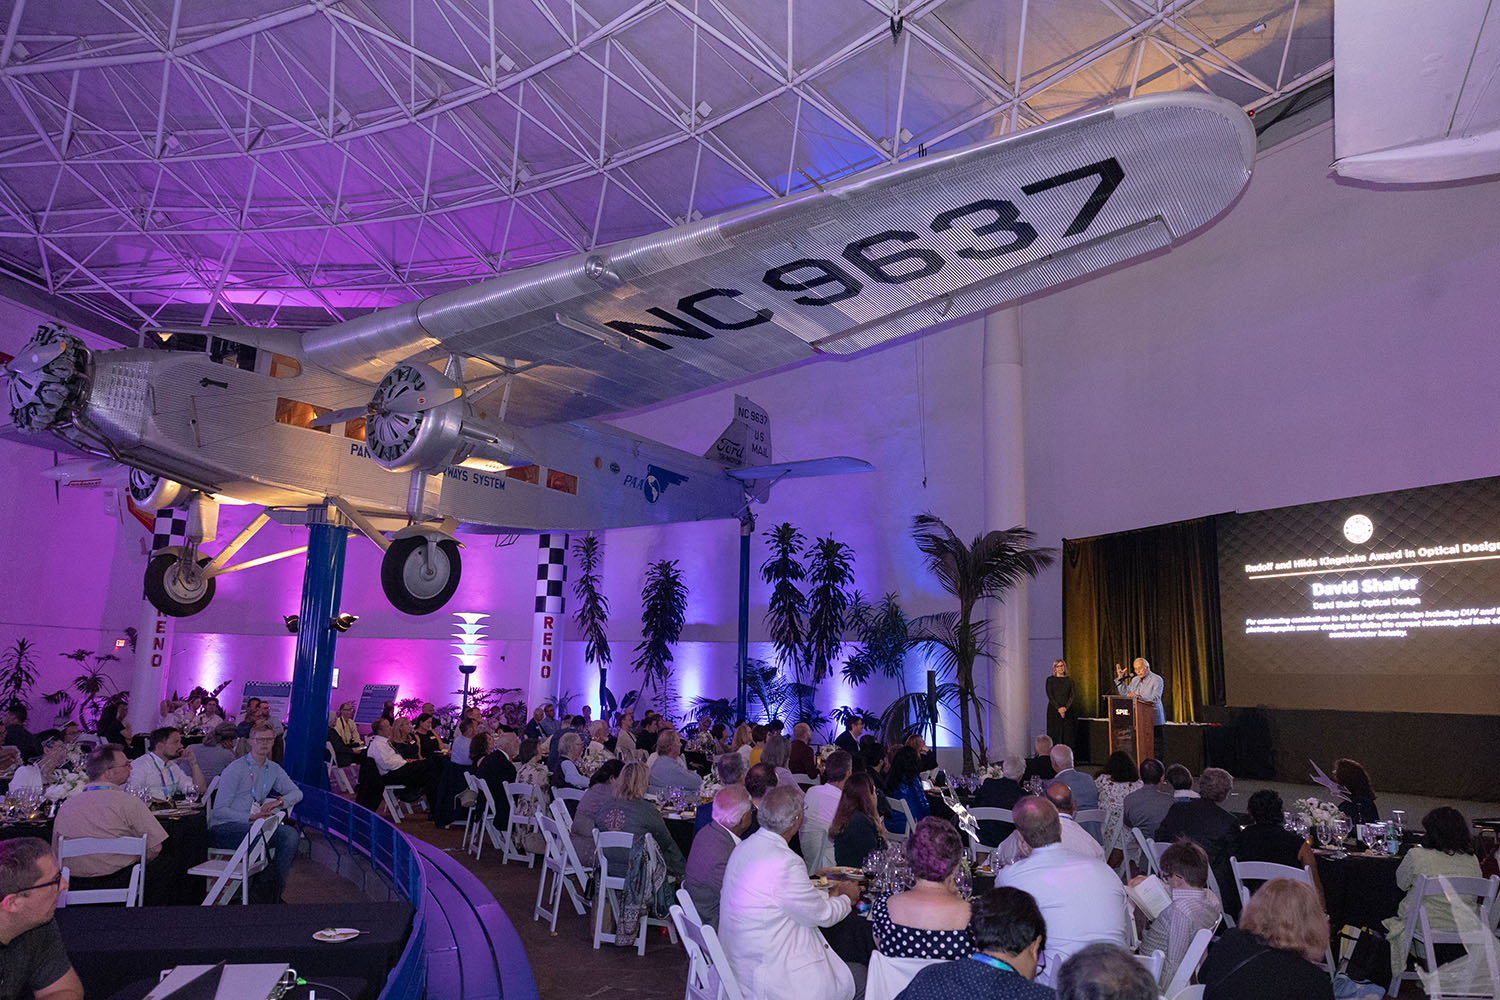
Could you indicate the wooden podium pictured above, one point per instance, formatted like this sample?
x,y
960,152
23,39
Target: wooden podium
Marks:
x,y
1131,722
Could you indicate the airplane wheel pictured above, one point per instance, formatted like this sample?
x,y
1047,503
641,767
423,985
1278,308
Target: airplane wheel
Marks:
x,y
414,585
174,592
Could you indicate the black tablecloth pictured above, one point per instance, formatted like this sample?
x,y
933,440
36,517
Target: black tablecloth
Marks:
x,y
351,987
682,832
852,938
114,948
186,846
1360,889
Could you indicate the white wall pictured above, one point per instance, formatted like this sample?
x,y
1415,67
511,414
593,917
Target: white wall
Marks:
x,y
1320,340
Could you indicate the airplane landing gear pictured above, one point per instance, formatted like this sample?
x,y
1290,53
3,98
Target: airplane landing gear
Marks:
x,y
419,574
178,586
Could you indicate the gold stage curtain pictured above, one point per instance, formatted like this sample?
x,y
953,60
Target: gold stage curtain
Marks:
x,y
1153,592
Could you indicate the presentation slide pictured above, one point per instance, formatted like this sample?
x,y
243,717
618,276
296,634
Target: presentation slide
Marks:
x,y
1388,602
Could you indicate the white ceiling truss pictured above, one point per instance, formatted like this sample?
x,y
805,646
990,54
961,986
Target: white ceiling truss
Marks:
x,y
265,161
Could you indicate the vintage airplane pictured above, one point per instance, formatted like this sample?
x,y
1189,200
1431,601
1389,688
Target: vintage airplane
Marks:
x,y
484,399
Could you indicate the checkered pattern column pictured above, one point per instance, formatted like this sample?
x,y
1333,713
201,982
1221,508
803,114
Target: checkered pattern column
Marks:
x,y
153,637
547,627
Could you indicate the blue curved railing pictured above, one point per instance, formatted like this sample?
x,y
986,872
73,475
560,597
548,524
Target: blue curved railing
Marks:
x,y
389,852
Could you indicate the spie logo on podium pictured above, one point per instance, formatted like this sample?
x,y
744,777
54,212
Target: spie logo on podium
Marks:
x,y
655,482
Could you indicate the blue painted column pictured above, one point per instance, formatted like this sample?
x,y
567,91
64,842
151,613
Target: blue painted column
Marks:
x,y
747,528
312,677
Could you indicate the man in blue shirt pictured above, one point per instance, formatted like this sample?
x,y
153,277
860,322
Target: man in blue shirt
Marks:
x,y
251,788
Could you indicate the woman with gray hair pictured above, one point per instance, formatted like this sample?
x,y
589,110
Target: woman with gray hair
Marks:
x,y
777,753
570,752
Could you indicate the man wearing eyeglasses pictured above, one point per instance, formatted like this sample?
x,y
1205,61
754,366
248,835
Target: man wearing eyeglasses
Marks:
x,y
103,809
33,961
252,788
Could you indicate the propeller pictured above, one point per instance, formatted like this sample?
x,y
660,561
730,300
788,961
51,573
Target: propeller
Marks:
x,y
407,389
37,359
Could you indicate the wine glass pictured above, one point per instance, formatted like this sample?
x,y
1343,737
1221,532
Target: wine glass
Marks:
x,y
1339,827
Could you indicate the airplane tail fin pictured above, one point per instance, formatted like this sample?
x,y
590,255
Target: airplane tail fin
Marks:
x,y
747,439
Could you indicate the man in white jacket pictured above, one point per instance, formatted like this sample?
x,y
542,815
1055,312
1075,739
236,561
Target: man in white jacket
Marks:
x,y
770,913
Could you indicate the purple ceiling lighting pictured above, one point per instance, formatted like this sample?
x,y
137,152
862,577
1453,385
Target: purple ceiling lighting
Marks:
x,y
275,162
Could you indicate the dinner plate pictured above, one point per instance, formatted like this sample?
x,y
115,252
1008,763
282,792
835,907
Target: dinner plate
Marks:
x,y
820,883
336,934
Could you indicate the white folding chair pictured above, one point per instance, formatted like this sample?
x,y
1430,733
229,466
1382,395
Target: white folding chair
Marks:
x,y
709,975
987,814
515,793
1084,817
211,793
338,778
804,781
568,794
899,806
689,908
132,894
577,869
817,847
1476,923
612,885
888,976
556,863
1154,963
1151,849
249,858
472,826
1191,959
486,823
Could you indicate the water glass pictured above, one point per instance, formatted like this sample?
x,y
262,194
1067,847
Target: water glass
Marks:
x,y
1398,820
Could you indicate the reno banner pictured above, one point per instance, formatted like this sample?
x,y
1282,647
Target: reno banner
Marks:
x,y
547,627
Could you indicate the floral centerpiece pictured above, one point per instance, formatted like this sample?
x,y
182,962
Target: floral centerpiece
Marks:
x,y
1314,811
824,752
65,785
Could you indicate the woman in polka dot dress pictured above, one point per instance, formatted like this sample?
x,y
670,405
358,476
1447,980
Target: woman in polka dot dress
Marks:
x,y
929,920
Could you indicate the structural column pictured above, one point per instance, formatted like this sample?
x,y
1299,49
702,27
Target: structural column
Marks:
x,y
1004,508
549,620
153,637
312,675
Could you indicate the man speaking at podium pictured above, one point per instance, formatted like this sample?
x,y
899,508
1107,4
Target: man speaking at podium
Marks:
x,y
1146,686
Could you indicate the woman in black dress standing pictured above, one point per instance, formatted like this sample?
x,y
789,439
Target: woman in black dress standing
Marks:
x,y
1060,722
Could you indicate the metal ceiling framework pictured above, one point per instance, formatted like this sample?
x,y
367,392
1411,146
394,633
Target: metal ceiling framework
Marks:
x,y
264,162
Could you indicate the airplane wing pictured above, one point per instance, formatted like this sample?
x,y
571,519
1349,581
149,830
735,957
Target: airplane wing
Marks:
x,y
1417,90
838,466
884,254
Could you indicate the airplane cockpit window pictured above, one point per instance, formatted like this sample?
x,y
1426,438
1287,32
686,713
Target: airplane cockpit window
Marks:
x,y
298,414
231,354
196,343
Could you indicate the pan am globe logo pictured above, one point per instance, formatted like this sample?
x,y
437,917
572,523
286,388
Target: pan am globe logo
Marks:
x,y
655,482
1359,529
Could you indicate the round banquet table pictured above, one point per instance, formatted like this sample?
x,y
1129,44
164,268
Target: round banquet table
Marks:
x,y
681,831
1360,889
186,846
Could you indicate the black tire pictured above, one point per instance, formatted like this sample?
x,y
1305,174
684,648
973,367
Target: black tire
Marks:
x,y
167,593
409,585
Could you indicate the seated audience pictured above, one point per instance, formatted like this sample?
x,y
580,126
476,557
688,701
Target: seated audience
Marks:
x,y
759,779
1271,955
628,811
1104,972
158,772
570,754
534,730
769,913
496,764
1360,805
113,726
1000,793
343,734
1208,824
743,741
104,809
35,964
403,737
251,788
1184,869
929,920
1118,780
217,751
848,740
1040,765
729,769
1446,849
42,771
711,849
248,717
1081,898
418,776
1009,936
1266,839
1074,837
18,736
1085,792
211,716
904,782
855,829
1145,808
802,758
601,789
1181,781
758,736
625,734
821,804
668,770
459,750
776,754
